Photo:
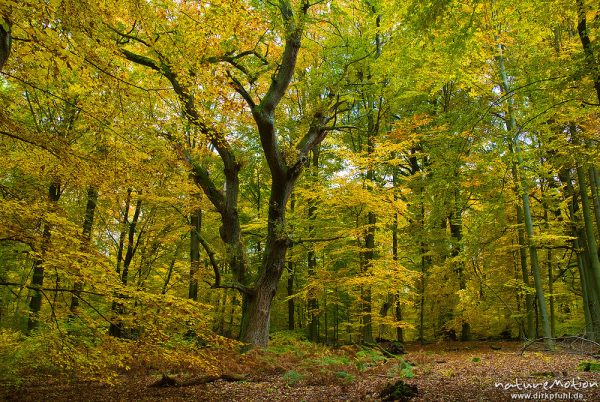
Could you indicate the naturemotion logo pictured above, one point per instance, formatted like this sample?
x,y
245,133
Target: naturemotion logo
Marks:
x,y
572,384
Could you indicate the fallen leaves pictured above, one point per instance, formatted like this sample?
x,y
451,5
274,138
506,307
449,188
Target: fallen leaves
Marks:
x,y
442,372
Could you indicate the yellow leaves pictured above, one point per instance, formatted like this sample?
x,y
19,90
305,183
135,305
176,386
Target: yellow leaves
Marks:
x,y
590,125
256,226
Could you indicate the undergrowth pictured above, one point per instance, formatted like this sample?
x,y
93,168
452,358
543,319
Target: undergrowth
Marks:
x,y
300,362
63,356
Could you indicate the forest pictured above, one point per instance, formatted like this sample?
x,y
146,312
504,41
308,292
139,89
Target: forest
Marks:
x,y
199,192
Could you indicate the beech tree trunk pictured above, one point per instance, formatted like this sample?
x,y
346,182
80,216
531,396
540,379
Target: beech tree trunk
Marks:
x,y
456,232
195,226
529,301
5,41
313,302
588,289
290,281
88,223
589,229
397,299
257,303
37,280
593,173
129,229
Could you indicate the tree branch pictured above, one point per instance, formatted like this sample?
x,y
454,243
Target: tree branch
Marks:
x,y
20,285
318,240
239,88
215,266
141,60
284,73
129,35
201,177
211,257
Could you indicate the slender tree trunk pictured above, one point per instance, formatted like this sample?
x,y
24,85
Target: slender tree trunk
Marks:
x,y
586,43
551,293
591,255
369,252
195,227
325,316
593,173
593,295
290,292
37,280
131,242
123,233
456,232
589,228
588,288
170,270
535,267
290,279
527,216
549,262
5,41
231,315
336,318
422,293
585,291
594,69
88,223
397,300
116,328
368,257
529,301
313,302
221,307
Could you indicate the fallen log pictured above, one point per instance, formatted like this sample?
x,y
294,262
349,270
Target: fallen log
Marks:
x,y
167,381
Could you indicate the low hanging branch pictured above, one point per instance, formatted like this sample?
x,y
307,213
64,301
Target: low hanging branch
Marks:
x,y
22,286
318,240
215,266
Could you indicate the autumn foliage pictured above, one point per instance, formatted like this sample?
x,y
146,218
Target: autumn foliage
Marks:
x,y
183,180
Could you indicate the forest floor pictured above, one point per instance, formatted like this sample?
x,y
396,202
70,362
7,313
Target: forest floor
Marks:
x,y
448,371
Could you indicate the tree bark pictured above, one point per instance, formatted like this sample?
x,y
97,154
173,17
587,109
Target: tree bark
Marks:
x,y
589,229
529,302
88,224
290,281
5,40
397,298
456,233
313,302
129,229
586,43
37,280
195,227
255,318
593,175
591,308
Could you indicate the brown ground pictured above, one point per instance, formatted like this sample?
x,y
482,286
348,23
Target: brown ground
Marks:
x,y
443,372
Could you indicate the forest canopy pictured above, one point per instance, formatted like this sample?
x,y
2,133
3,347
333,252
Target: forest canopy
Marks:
x,y
180,174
